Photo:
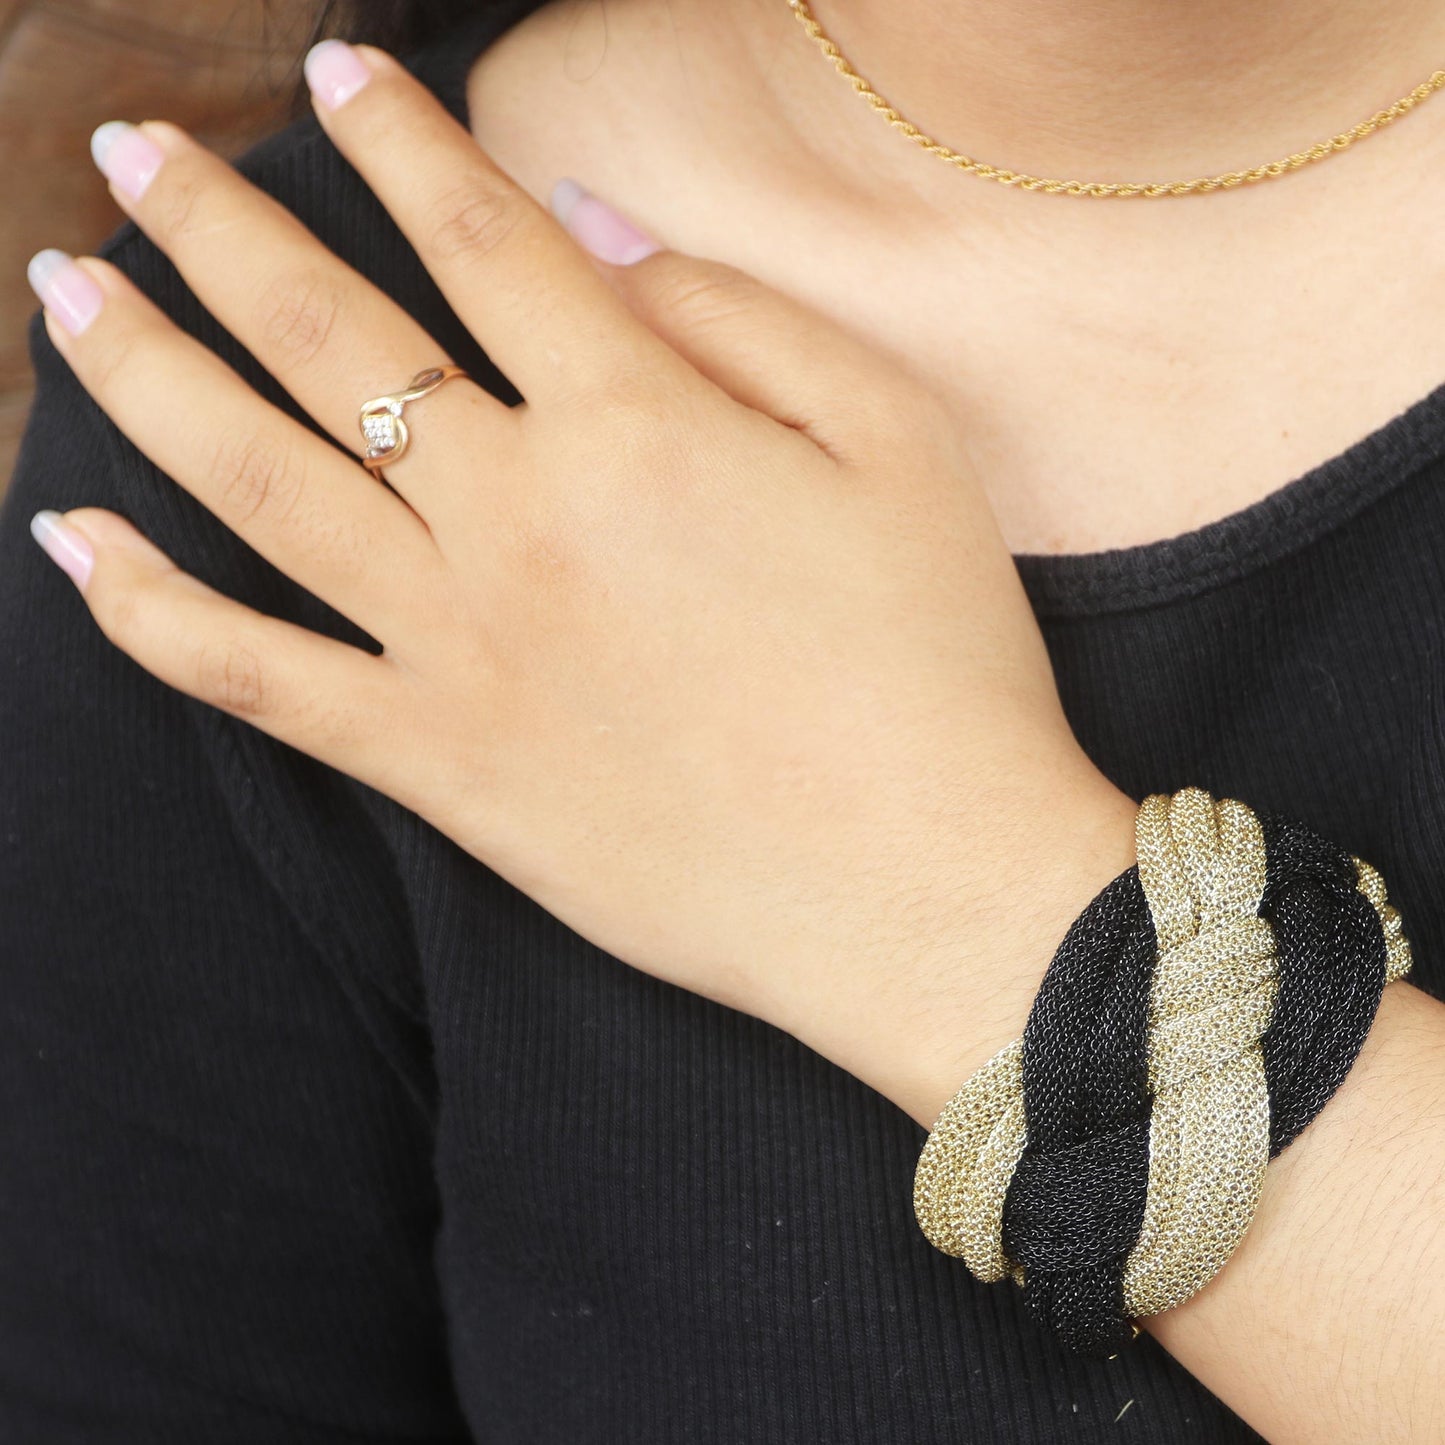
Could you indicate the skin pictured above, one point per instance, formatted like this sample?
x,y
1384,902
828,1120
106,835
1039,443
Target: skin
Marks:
x,y
863,836
1117,373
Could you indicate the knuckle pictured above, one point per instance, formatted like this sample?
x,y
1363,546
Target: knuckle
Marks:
x,y
474,220
111,353
297,316
702,298
229,675
253,475
179,208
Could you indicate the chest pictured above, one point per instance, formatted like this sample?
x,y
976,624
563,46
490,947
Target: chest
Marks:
x,y
1140,395
1120,372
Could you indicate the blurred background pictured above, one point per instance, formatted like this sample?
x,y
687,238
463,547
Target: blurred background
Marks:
x,y
224,69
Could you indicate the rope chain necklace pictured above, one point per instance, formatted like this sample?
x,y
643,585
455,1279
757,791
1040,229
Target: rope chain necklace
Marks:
x,y
1203,184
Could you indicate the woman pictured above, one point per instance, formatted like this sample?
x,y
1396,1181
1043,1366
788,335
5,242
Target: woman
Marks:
x,y
717,815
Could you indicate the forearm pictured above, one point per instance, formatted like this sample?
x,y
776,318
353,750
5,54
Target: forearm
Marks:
x,y
951,980
1325,1324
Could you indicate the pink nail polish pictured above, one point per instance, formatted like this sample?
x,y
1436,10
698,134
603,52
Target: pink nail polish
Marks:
x,y
335,72
64,546
598,228
67,292
127,157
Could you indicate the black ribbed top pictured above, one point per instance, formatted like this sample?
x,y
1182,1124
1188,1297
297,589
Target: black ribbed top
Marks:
x,y
314,1129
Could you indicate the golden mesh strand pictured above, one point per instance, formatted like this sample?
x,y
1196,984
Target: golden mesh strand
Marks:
x,y
1199,867
1202,867
1227,180
967,1162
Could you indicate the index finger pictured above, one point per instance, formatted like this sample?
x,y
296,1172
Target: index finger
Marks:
x,y
512,274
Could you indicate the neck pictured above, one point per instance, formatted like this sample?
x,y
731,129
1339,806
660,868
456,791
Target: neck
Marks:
x,y
1121,90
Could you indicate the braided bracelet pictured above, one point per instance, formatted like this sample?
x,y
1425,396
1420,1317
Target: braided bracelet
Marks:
x,y
1198,1015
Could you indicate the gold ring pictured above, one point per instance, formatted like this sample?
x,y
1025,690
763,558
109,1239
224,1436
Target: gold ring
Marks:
x,y
382,423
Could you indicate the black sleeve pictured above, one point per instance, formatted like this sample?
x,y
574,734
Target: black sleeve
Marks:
x,y
217,1207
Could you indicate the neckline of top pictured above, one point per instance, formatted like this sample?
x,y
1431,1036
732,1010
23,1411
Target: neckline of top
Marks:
x,y
1286,521
1150,574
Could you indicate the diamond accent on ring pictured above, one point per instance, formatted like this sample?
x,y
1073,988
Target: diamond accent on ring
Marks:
x,y
381,421
380,430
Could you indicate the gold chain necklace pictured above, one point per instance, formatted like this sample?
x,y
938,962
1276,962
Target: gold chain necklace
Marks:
x,y
1225,181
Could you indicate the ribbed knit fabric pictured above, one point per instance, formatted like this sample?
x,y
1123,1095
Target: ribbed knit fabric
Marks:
x,y
312,1129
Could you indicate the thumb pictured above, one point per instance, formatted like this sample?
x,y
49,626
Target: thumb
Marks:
x,y
767,350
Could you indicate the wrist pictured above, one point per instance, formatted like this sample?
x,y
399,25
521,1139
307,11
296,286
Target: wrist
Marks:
x,y
920,1014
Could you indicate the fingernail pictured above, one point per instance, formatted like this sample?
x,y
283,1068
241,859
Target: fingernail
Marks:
x,y
596,227
127,157
68,293
335,72
64,546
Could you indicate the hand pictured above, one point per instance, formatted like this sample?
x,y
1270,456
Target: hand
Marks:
x,y
712,646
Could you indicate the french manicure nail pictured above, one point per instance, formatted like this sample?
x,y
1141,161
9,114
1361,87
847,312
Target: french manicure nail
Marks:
x,y
127,156
596,227
335,72
72,296
64,546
